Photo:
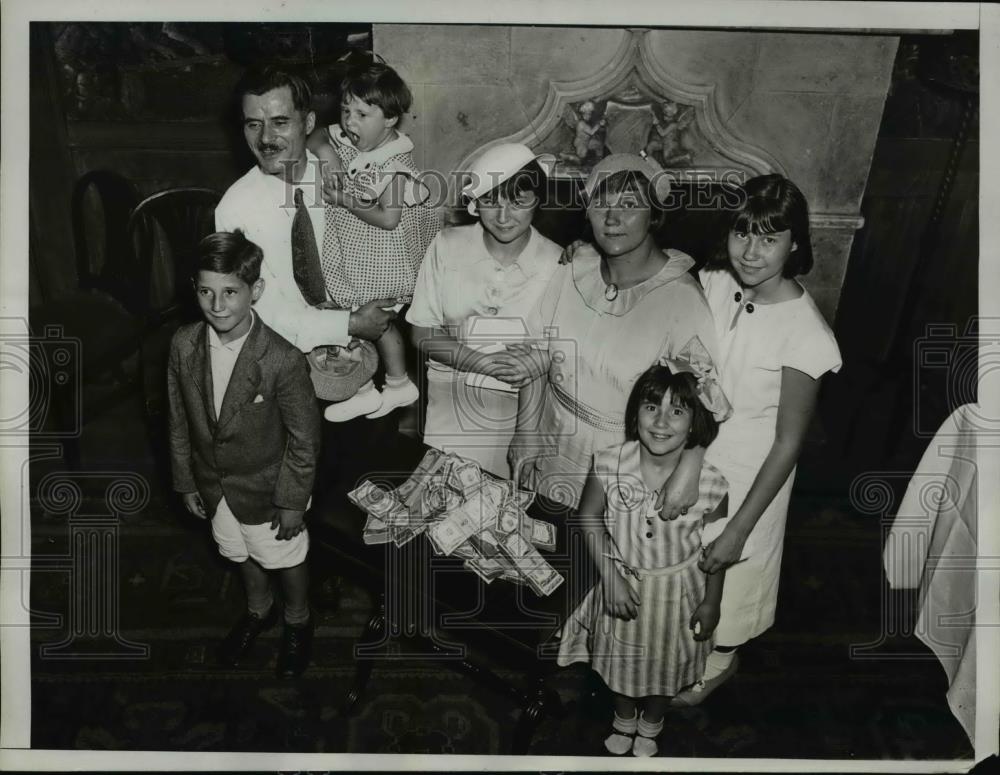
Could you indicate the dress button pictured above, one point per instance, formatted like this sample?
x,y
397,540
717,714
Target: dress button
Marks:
x,y
737,296
749,307
649,535
492,310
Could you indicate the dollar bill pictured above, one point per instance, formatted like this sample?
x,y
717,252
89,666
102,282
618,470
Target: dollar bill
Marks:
x,y
539,575
511,575
465,477
525,498
466,551
451,532
543,535
486,568
375,532
508,520
374,500
493,493
543,580
486,542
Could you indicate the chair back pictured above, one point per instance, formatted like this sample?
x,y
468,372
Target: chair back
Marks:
x,y
164,230
101,203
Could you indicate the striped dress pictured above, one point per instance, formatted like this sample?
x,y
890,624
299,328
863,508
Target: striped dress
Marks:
x,y
655,653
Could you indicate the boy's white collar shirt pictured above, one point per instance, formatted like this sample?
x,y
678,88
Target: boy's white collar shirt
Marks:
x,y
222,356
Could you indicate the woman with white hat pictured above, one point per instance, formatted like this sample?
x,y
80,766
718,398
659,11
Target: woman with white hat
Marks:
x,y
475,288
620,305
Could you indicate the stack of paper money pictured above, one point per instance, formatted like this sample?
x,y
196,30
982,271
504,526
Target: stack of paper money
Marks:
x,y
465,513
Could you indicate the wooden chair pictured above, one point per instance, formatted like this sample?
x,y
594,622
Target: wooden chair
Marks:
x,y
164,230
105,314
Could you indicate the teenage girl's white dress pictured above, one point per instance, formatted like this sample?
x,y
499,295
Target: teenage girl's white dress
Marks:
x,y
754,346
655,653
463,289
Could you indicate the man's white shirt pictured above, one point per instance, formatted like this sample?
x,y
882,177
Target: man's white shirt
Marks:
x,y
262,207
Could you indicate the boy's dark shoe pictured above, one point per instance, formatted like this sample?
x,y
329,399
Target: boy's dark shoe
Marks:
x,y
239,640
296,647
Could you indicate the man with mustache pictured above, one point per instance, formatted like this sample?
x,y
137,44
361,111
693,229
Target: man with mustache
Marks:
x,y
277,118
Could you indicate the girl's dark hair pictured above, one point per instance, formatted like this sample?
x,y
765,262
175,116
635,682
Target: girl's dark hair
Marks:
x,y
531,177
371,80
628,180
229,252
773,203
652,385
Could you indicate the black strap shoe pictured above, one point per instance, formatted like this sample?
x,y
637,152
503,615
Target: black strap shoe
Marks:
x,y
239,640
296,647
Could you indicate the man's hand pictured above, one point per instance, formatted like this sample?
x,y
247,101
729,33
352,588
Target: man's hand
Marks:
x,y
193,503
332,173
372,319
288,523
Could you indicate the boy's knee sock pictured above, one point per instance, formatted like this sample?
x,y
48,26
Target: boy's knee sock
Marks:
x,y
296,616
259,602
718,662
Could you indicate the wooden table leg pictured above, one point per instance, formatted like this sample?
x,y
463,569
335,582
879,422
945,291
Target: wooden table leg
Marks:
x,y
373,634
543,702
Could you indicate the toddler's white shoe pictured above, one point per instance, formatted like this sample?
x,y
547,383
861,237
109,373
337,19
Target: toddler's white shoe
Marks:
x,y
394,396
364,401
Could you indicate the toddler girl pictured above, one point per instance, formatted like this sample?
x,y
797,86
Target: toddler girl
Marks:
x,y
378,223
646,626
774,346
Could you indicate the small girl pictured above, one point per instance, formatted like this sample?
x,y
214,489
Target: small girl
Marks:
x,y
774,346
477,285
646,626
378,223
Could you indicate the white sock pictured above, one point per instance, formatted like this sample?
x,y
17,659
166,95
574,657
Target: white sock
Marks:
x,y
620,740
645,741
717,663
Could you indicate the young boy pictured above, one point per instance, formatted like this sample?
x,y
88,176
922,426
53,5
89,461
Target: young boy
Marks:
x,y
244,439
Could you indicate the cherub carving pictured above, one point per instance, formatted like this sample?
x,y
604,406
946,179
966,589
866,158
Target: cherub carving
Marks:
x,y
588,139
670,141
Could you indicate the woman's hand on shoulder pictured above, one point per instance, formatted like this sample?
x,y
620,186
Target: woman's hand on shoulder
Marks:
x,y
724,551
569,252
679,494
620,598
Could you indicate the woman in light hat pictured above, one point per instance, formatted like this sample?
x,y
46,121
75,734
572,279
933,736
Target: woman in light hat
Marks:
x,y
620,305
475,288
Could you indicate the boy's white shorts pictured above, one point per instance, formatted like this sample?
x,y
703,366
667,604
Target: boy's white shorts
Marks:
x,y
237,541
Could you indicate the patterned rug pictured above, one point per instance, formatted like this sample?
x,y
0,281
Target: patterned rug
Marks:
x,y
797,694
